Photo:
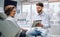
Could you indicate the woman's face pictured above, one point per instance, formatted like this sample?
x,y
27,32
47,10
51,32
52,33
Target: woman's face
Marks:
x,y
13,12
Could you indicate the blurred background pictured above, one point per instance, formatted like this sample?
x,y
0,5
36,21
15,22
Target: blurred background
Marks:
x,y
27,8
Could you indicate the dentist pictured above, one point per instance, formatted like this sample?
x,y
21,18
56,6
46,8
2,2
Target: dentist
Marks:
x,y
40,28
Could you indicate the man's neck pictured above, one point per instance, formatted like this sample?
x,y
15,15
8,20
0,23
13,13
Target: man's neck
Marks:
x,y
40,13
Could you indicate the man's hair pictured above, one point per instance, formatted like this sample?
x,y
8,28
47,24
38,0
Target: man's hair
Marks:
x,y
40,4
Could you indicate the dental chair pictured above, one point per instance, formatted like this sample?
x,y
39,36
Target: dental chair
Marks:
x,y
8,28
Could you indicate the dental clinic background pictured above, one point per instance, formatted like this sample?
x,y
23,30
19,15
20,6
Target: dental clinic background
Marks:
x,y
26,11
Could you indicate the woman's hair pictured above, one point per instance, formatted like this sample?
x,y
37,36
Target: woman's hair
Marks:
x,y
8,9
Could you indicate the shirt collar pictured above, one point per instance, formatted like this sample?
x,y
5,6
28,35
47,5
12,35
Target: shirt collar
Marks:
x,y
41,14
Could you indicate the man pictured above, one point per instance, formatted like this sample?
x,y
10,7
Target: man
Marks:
x,y
40,28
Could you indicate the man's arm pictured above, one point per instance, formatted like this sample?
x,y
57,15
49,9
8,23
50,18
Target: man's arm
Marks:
x,y
46,23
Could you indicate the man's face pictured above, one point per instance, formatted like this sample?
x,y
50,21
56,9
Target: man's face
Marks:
x,y
39,9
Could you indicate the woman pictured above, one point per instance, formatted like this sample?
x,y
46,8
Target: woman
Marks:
x,y
10,11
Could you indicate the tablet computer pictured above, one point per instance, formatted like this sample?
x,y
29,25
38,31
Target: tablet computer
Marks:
x,y
35,22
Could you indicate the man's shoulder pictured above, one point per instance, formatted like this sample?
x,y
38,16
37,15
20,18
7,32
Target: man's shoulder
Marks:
x,y
46,15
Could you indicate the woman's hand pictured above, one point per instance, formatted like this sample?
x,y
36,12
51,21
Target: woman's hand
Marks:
x,y
23,29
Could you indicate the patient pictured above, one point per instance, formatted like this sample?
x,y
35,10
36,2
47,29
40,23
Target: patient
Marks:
x,y
10,11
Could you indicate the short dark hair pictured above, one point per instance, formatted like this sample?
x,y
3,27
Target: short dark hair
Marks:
x,y
40,4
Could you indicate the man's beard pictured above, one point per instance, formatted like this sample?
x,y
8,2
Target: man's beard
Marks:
x,y
39,12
